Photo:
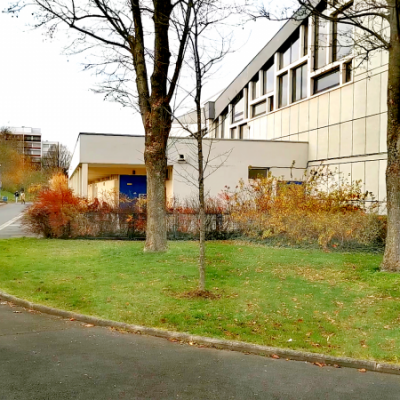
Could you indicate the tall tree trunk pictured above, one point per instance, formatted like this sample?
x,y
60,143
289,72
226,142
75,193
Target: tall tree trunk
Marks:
x,y
158,129
391,260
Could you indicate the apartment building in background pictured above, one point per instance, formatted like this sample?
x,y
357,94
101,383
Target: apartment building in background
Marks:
x,y
29,142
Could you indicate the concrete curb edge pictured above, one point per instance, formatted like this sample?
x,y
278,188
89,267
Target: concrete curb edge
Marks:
x,y
211,342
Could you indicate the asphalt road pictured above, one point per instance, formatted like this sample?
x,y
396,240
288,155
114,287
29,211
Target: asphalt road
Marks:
x,y
44,357
10,224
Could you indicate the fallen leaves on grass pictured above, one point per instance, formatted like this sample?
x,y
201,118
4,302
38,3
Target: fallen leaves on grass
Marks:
x,y
193,294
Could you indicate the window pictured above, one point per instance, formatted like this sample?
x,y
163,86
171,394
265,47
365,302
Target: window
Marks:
x,y
233,133
299,83
238,110
223,126
258,173
290,52
254,82
271,103
348,69
283,90
327,81
305,39
242,129
259,109
269,78
342,39
321,42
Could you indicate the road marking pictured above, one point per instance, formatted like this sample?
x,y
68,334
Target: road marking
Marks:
x,y
10,222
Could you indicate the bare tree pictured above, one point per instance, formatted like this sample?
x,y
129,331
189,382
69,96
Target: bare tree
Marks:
x,y
134,39
368,26
206,49
57,157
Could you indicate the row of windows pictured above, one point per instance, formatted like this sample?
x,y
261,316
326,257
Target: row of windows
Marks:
x,y
338,34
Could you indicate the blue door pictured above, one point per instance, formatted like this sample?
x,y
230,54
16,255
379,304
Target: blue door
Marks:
x,y
133,186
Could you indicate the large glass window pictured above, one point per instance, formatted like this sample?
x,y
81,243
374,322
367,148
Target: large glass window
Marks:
x,y
283,90
233,133
327,81
259,108
238,110
321,42
342,40
269,79
290,52
299,83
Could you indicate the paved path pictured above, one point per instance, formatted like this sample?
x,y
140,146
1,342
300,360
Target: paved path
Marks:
x,y
45,358
10,223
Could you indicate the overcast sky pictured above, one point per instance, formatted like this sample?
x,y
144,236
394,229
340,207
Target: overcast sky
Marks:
x,y
41,88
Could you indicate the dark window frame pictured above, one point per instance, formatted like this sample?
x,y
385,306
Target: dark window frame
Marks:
x,y
253,108
301,85
280,97
325,74
264,173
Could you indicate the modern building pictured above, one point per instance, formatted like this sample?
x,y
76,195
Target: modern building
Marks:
x,y
105,165
307,85
305,97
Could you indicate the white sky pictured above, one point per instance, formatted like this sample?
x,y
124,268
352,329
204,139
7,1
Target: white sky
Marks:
x,y
41,88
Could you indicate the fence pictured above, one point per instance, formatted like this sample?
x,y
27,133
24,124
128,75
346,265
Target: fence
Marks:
x,y
132,225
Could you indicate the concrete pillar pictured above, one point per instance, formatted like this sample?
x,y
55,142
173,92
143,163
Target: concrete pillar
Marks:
x,y
219,127
260,83
245,103
84,180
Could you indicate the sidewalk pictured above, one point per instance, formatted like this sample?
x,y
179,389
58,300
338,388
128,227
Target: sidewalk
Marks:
x,y
44,357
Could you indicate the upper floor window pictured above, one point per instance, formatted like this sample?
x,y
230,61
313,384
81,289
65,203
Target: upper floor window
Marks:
x,y
283,90
269,79
253,87
299,83
321,42
259,108
342,40
327,80
348,72
238,109
290,52
305,38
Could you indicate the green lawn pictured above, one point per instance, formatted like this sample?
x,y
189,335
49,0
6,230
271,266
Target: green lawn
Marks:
x,y
7,194
333,303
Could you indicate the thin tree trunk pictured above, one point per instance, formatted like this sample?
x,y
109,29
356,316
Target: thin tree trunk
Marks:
x,y
391,260
202,214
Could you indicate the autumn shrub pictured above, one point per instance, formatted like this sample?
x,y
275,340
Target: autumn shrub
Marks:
x,y
323,208
56,212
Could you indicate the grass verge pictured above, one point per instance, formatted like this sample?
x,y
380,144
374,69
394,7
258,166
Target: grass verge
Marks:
x,y
332,303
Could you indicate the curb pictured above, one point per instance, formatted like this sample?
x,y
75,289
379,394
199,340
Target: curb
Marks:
x,y
211,342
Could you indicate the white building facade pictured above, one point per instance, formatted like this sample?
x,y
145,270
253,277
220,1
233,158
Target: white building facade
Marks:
x,y
306,85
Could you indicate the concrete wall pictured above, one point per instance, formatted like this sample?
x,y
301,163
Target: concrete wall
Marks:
x,y
230,161
101,157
